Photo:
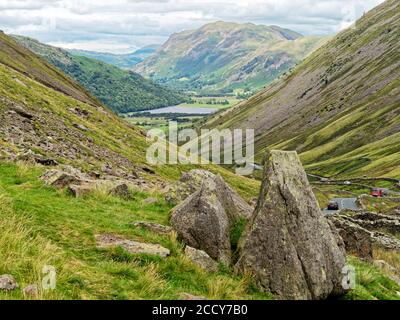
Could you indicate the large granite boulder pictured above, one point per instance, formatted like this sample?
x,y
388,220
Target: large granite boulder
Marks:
x,y
289,246
204,220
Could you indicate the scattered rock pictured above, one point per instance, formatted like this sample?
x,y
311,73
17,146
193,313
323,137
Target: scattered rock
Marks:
x,y
61,179
80,127
30,156
289,246
122,191
31,291
150,201
7,283
154,227
78,191
201,259
188,296
133,247
22,112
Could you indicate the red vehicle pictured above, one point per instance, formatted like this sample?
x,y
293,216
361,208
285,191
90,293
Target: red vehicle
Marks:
x,y
377,193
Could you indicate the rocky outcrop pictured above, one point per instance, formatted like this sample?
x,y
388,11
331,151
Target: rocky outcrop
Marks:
x,y
201,259
7,283
289,246
203,221
133,247
357,240
360,234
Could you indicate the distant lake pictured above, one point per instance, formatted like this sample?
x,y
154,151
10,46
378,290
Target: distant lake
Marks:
x,y
184,110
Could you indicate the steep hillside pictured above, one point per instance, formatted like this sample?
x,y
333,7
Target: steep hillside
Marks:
x,y
222,57
44,116
123,61
122,91
341,107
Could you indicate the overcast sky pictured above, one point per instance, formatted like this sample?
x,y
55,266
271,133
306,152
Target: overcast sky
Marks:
x,y
122,26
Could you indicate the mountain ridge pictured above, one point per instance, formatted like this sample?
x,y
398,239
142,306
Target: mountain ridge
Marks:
x,y
332,107
224,57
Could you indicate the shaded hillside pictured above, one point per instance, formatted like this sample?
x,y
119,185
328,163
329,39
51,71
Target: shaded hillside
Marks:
x,y
123,61
122,91
341,107
223,57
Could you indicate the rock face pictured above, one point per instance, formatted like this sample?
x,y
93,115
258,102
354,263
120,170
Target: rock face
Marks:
x,y
204,219
133,247
289,245
7,283
201,259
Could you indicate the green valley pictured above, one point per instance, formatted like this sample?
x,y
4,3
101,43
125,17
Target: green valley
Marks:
x,y
340,108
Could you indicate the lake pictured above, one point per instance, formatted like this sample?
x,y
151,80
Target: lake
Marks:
x,y
184,110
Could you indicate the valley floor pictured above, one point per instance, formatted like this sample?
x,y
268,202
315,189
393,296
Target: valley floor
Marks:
x,y
42,226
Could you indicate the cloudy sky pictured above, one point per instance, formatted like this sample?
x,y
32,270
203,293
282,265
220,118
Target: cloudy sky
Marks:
x,y
122,26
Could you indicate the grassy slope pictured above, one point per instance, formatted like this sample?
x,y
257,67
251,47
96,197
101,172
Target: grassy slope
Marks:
x,y
123,91
42,226
341,107
222,57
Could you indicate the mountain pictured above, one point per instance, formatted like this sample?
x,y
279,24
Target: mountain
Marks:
x,y
123,61
223,57
122,91
340,108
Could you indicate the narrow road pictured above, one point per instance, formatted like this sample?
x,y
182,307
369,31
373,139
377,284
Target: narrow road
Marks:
x,y
344,203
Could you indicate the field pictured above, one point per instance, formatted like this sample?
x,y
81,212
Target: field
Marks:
x,y
160,121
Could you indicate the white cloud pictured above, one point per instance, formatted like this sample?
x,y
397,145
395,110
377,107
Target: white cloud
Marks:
x,y
121,25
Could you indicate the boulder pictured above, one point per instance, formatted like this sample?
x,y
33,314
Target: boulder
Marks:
x,y
201,259
78,191
7,283
188,184
122,191
289,246
154,227
62,178
31,291
133,247
204,220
